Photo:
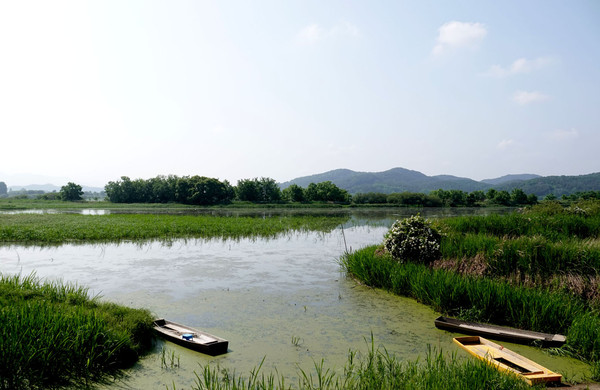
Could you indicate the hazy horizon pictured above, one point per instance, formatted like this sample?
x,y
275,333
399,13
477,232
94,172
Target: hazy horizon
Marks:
x,y
38,180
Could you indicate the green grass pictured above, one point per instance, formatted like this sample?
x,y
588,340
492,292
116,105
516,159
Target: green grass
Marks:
x,y
552,227
10,204
377,369
490,300
63,228
55,335
532,255
547,246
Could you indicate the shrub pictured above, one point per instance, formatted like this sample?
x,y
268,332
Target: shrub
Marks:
x,y
413,239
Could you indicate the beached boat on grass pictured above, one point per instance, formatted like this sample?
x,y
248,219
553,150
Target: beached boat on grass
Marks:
x,y
190,337
506,360
501,333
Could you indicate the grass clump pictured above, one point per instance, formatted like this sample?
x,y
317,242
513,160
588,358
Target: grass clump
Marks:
x,y
377,369
54,335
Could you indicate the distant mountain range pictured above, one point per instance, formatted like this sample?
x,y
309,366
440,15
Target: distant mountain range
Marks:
x,y
401,180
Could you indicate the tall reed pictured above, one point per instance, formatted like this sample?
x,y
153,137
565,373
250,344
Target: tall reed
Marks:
x,y
534,255
488,300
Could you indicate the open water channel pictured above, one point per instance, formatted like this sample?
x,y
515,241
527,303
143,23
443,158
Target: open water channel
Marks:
x,y
282,299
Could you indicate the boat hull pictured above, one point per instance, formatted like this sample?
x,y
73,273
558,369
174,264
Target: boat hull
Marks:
x,y
506,360
500,333
191,338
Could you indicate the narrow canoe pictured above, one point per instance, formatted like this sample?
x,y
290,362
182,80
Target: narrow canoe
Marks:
x,y
506,360
501,333
190,337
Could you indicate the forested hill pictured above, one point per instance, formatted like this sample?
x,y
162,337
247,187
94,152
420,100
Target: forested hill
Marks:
x,y
557,185
401,180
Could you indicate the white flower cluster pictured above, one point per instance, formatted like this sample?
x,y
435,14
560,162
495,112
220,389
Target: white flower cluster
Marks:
x,y
413,239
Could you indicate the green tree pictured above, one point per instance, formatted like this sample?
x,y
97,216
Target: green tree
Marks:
x,y
120,191
502,198
263,190
207,191
518,197
294,193
491,194
442,195
326,192
3,188
269,190
247,190
71,192
457,198
532,199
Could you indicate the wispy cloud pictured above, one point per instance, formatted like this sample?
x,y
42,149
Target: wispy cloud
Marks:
x,y
521,65
525,97
563,135
310,34
455,35
506,143
314,33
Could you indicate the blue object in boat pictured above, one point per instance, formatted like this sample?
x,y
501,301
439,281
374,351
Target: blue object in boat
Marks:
x,y
187,336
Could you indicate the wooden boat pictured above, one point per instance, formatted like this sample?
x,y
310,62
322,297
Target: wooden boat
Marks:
x,y
190,337
506,360
501,333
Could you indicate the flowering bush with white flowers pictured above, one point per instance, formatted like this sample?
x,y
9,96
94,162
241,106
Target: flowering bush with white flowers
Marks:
x,y
413,239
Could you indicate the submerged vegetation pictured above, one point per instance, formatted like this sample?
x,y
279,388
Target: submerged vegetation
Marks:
x,y
54,334
534,270
62,228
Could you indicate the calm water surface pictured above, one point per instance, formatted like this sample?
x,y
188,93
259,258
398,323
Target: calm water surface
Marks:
x,y
281,299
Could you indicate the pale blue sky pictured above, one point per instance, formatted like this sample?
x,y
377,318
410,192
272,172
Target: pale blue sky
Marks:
x,y
91,91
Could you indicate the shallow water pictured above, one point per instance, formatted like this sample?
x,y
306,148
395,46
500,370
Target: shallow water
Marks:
x,y
281,299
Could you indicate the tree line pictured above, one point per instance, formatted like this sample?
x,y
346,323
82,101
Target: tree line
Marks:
x,y
449,198
201,190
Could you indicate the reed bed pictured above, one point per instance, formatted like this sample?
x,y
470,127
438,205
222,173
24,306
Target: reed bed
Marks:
x,y
484,299
376,369
553,227
533,255
63,228
54,335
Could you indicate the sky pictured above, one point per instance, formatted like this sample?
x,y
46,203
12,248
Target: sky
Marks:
x,y
94,90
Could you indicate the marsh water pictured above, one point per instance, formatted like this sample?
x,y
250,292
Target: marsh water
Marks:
x,y
280,299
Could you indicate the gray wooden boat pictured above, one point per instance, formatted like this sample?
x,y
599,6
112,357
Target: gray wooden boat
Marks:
x,y
190,338
502,333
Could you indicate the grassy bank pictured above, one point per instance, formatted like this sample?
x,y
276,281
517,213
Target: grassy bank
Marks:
x,y
548,246
63,228
375,370
54,334
535,270
482,299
